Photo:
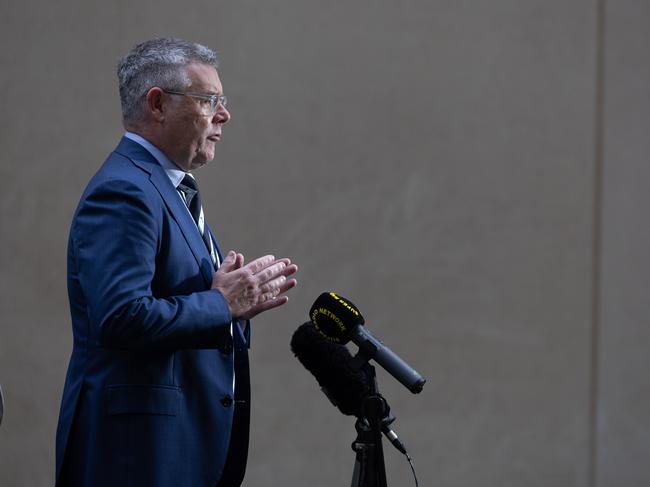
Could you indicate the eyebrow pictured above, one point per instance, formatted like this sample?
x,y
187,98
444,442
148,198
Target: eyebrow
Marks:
x,y
212,92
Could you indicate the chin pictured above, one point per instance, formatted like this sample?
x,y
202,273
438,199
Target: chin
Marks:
x,y
200,162
202,158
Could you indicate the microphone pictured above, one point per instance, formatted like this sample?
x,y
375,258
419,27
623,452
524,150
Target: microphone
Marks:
x,y
340,321
346,387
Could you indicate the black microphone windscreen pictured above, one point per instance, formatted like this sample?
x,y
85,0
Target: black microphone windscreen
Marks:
x,y
335,317
330,364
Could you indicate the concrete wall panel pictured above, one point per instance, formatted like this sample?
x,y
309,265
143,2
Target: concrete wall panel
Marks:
x,y
432,161
624,389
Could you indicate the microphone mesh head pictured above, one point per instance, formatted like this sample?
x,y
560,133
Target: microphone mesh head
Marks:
x,y
344,383
334,317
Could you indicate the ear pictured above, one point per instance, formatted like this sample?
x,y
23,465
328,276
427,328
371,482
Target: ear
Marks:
x,y
154,103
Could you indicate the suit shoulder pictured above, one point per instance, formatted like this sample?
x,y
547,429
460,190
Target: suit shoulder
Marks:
x,y
119,179
121,173
120,167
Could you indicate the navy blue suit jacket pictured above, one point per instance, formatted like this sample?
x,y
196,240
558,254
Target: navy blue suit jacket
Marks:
x,y
148,397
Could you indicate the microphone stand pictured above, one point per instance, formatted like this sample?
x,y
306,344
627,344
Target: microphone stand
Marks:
x,y
369,467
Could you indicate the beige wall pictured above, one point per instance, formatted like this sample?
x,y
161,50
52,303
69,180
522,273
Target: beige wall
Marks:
x,y
437,162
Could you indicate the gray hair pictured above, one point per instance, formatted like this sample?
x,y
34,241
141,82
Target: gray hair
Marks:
x,y
157,62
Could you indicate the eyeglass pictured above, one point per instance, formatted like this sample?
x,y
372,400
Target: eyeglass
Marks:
x,y
214,101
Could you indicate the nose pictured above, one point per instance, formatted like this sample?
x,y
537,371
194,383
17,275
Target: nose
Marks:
x,y
222,115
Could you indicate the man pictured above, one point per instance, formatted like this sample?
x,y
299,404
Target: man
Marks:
x,y
157,391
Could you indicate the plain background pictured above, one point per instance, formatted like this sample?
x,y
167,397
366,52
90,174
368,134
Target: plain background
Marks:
x,y
472,174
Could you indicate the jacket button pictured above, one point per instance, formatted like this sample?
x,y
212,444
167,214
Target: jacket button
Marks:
x,y
226,401
226,348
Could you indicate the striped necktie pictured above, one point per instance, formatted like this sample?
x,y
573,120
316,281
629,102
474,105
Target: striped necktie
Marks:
x,y
189,190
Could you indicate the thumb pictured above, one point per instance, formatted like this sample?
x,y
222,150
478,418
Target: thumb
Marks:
x,y
229,262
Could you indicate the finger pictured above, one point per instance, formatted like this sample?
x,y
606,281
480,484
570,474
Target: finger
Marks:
x,y
239,261
270,272
229,263
275,291
265,306
260,263
290,270
291,283
273,286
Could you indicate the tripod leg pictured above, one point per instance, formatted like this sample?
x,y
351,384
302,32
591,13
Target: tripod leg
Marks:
x,y
369,469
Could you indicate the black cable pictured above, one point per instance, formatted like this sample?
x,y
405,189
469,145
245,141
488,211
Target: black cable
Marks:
x,y
412,469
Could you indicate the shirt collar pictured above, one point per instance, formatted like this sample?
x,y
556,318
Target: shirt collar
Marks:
x,y
174,173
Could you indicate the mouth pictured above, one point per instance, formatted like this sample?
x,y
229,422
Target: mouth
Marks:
x,y
214,137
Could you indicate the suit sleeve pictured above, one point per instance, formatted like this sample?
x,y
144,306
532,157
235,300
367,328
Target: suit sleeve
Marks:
x,y
115,239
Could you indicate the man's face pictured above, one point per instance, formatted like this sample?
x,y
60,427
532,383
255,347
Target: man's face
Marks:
x,y
191,135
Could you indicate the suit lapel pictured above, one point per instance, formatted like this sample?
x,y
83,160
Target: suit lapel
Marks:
x,y
143,159
185,222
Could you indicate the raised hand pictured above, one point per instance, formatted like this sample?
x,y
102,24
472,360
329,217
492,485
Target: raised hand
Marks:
x,y
255,287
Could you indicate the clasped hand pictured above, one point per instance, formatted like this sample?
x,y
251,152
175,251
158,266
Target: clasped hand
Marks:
x,y
255,287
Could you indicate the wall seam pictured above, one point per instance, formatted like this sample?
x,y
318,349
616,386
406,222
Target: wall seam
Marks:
x,y
599,144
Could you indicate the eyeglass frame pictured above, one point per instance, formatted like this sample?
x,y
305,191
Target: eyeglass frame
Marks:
x,y
215,100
